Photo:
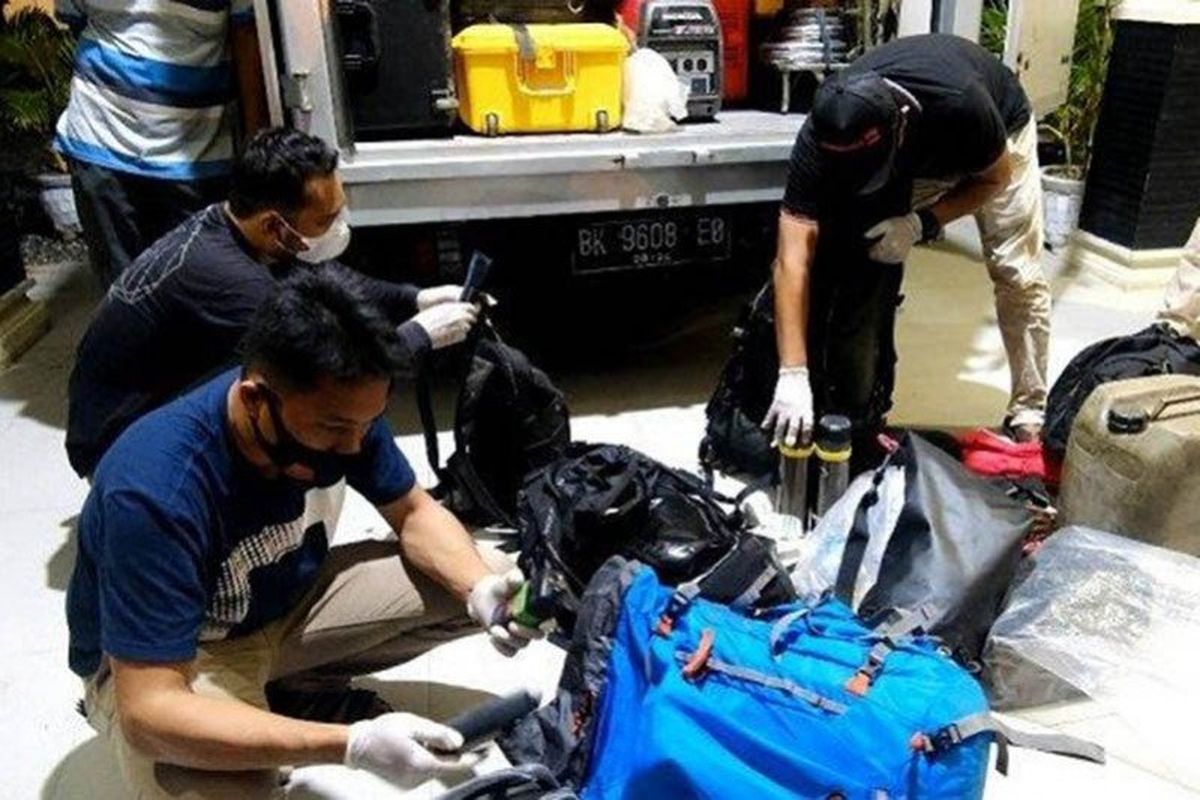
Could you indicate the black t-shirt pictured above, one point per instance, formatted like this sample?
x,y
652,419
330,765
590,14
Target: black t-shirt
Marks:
x,y
172,319
970,104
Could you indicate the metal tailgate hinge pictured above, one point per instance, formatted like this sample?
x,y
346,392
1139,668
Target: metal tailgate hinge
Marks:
x,y
295,91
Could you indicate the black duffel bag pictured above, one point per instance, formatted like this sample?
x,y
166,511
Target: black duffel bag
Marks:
x,y
1157,350
952,551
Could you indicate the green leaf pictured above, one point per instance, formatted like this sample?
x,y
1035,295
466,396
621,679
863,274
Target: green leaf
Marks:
x,y
36,63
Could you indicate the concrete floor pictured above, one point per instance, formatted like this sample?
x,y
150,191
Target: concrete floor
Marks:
x,y
952,372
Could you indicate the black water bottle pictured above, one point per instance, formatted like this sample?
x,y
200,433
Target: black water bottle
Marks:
x,y
833,461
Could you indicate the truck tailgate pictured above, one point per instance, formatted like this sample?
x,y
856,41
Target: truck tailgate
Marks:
x,y
742,158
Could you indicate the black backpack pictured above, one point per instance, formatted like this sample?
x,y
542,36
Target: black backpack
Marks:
x,y
598,501
734,442
510,420
1157,350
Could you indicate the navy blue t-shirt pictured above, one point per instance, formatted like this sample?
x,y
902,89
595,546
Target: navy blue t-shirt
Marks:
x,y
182,541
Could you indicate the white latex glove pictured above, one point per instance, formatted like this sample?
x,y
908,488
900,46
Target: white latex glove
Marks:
x,y
436,295
447,323
790,417
896,237
488,606
393,746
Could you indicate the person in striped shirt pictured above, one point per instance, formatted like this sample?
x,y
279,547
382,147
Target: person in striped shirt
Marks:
x,y
149,130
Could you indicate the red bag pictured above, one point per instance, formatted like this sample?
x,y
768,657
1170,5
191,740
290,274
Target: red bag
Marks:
x,y
992,455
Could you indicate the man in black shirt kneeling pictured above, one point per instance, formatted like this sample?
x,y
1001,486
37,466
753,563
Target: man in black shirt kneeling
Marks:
x,y
176,314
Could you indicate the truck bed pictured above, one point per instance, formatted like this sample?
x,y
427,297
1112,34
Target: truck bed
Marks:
x,y
740,158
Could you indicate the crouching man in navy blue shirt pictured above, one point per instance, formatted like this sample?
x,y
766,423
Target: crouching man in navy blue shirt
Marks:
x,y
205,573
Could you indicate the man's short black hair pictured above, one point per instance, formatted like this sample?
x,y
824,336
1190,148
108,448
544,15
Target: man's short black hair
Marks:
x,y
273,170
322,324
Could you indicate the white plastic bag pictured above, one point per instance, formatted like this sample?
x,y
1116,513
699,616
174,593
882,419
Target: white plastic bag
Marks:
x,y
821,551
654,98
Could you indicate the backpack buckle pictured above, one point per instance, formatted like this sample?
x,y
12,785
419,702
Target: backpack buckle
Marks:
x,y
680,600
946,738
937,741
860,682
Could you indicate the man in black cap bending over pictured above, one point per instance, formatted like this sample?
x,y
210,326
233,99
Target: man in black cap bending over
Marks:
x,y
913,135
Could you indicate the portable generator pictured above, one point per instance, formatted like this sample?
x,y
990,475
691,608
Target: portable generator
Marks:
x,y
688,34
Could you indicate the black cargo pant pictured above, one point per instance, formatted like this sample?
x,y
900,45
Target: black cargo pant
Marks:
x,y
851,342
122,214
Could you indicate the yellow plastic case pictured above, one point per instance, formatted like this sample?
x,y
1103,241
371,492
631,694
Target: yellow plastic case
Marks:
x,y
568,79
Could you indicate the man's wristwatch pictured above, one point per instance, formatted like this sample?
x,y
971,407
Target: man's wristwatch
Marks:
x,y
931,229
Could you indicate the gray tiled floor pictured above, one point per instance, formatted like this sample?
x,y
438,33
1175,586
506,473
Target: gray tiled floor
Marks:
x,y
952,372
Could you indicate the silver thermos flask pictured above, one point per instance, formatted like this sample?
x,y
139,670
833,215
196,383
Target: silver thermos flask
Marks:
x,y
833,460
791,496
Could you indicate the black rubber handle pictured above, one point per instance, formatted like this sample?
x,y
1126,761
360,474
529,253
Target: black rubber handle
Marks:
x,y
477,272
481,723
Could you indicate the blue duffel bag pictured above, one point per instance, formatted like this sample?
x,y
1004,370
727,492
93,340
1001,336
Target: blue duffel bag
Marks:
x,y
702,701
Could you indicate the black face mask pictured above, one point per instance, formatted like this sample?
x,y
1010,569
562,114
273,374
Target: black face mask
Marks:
x,y
287,451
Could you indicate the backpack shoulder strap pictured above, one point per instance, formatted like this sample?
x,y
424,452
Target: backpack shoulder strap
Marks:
x,y
459,468
424,391
858,538
424,396
985,723
895,626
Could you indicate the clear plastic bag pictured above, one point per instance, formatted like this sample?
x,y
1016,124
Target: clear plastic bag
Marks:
x,y
654,97
1116,620
821,551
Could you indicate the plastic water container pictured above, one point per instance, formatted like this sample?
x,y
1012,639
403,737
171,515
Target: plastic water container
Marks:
x,y
1133,462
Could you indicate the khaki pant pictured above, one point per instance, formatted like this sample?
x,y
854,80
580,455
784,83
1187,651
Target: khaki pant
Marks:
x,y
368,610
1181,305
1011,229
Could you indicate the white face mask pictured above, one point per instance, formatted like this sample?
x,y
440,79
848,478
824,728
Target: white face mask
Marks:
x,y
330,244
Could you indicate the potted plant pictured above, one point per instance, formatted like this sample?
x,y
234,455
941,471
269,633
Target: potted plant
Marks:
x,y
993,26
36,57
1074,123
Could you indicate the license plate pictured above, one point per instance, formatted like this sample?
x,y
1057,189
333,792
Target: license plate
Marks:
x,y
663,240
